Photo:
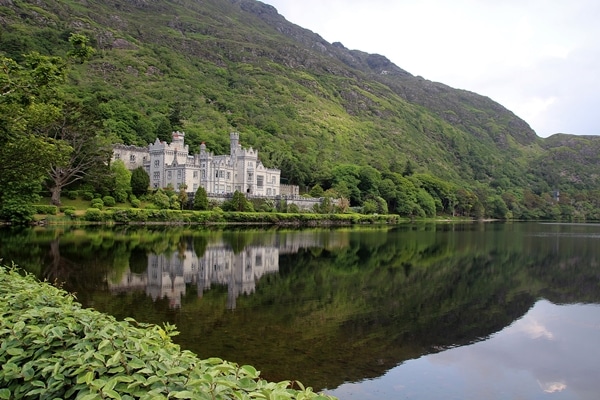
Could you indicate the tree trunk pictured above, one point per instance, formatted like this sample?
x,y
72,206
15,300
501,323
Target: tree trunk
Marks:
x,y
55,190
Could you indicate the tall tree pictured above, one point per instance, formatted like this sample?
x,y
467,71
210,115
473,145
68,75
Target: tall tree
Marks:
x,y
122,179
28,110
79,129
182,196
201,199
369,181
52,138
240,203
140,181
24,163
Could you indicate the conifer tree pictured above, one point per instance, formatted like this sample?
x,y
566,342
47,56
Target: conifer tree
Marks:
x,y
140,181
200,199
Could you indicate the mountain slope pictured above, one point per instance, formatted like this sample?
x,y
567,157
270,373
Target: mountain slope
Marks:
x,y
307,105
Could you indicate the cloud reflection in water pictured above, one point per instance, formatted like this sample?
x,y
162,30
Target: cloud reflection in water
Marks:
x,y
552,349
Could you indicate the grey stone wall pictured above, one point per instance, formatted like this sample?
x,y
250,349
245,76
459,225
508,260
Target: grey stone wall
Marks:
x,y
303,203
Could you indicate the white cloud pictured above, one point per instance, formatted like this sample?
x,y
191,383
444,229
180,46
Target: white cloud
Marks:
x,y
537,58
534,329
552,387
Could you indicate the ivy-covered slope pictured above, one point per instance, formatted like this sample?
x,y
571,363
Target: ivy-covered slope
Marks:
x,y
208,67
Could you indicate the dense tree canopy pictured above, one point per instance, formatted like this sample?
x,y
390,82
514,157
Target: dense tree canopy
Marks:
x,y
28,113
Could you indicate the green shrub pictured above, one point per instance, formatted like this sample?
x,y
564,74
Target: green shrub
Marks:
x,y
89,196
121,215
135,203
200,216
72,194
217,215
69,212
161,199
54,348
137,214
109,201
93,214
97,203
46,209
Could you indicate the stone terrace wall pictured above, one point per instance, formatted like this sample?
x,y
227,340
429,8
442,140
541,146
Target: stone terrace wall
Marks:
x,y
303,203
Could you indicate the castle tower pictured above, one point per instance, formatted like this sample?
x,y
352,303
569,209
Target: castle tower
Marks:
x,y
234,142
178,139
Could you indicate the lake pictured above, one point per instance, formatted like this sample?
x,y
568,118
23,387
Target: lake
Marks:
x,y
415,311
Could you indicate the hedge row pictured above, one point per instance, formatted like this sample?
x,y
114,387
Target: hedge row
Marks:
x,y
97,213
53,348
126,215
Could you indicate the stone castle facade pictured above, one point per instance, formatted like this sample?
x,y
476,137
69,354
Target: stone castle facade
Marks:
x,y
171,164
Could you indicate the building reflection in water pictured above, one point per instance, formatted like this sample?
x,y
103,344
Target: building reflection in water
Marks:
x,y
168,275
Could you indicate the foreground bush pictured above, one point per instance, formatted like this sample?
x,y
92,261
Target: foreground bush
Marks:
x,y
53,348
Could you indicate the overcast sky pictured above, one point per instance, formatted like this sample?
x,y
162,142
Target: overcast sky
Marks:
x,y
538,58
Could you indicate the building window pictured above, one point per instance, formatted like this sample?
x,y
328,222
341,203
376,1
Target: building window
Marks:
x,y
251,176
273,179
195,187
157,163
219,173
228,175
268,191
117,156
260,180
250,164
169,175
156,176
179,174
132,158
204,174
195,174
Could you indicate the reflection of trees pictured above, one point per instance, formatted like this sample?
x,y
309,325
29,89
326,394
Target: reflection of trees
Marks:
x,y
21,246
371,315
59,268
80,269
237,240
353,312
138,260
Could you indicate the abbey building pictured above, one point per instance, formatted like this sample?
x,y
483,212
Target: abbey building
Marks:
x,y
171,164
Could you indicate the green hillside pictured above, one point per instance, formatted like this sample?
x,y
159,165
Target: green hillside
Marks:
x,y
346,120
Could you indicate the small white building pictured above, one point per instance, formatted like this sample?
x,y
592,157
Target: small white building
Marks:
x,y
170,164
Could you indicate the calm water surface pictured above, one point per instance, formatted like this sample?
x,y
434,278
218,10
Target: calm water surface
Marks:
x,y
452,311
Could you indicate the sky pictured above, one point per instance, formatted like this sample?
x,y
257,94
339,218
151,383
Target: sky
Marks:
x,y
538,58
